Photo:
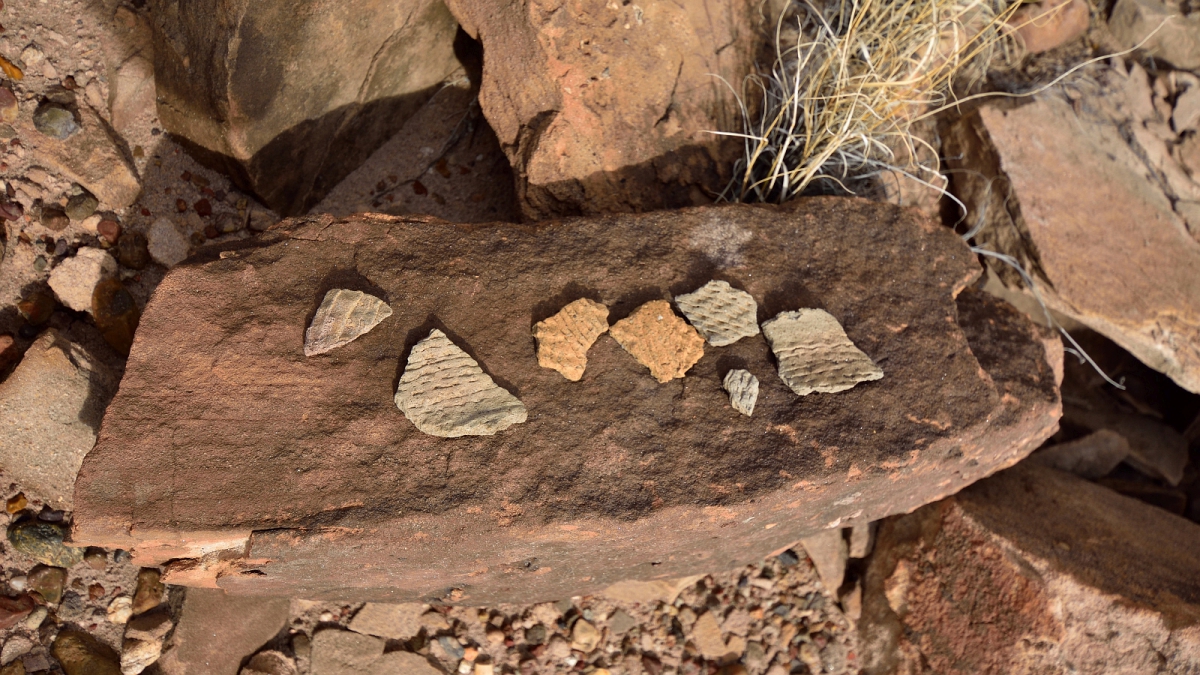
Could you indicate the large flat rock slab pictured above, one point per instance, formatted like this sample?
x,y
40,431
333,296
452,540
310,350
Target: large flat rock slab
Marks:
x,y
225,436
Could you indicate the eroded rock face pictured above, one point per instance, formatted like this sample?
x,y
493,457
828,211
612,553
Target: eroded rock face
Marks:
x,y
50,410
226,84
343,316
606,107
445,393
331,491
564,339
660,340
1088,220
720,312
1033,570
815,355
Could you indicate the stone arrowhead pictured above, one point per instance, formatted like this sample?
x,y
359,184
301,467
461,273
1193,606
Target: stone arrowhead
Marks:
x,y
445,393
343,317
815,355
659,340
564,339
722,313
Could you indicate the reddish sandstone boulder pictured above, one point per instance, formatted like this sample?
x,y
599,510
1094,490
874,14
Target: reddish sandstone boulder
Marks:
x,y
225,436
605,106
1033,571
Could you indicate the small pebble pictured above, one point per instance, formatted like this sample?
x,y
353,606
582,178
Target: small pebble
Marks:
x,y
96,558
48,582
82,205
43,542
16,503
55,219
8,105
203,207
116,314
109,230
132,251
55,121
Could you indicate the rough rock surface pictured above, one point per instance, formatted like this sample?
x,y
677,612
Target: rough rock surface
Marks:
x,y
228,84
815,355
1034,570
393,621
343,316
1046,25
1164,29
92,158
307,451
444,392
338,652
660,340
75,278
216,631
605,107
564,339
720,312
1091,457
50,410
1084,217
166,243
743,390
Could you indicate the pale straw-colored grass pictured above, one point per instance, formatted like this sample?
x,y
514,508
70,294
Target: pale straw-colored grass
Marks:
x,y
848,83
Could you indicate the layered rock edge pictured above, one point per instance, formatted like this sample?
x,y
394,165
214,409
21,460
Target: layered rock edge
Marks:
x,y
659,481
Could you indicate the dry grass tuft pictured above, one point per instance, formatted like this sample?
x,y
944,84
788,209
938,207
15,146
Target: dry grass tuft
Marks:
x,y
848,83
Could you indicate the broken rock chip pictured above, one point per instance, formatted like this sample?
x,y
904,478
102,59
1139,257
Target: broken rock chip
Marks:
x,y
815,355
659,340
743,390
563,340
343,317
445,393
720,312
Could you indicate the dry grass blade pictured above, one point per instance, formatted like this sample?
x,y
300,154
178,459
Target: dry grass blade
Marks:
x,y
857,75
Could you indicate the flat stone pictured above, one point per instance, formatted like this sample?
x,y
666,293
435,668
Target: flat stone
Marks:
x,y
1083,193
829,553
743,390
166,243
655,336
329,491
720,312
1033,556
1092,456
50,410
564,339
75,279
815,355
398,621
444,392
215,632
343,316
